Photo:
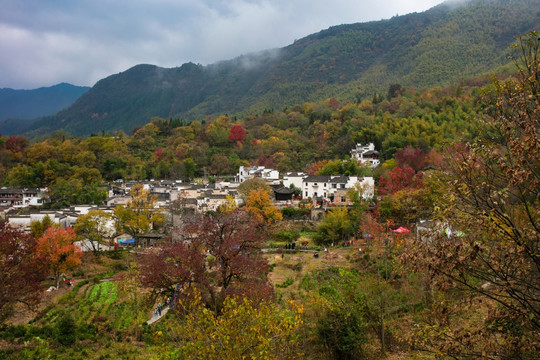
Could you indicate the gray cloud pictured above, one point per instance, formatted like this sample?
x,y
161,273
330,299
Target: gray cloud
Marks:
x,y
46,42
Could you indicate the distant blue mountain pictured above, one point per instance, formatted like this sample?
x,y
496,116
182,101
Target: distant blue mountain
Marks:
x,y
18,106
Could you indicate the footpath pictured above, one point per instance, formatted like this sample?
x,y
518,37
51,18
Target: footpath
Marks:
x,y
156,318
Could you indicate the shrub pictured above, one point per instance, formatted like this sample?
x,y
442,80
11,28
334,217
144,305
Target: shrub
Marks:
x,y
344,331
294,213
289,236
66,329
288,282
78,273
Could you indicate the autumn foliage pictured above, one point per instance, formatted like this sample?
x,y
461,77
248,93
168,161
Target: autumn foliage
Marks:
x,y
237,134
488,251
56,249
260,206
219,255
21,271
243,329
400,178
412,158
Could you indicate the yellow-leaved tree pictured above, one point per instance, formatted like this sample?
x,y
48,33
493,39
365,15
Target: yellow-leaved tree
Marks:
x,y
243,330
260,205
139,215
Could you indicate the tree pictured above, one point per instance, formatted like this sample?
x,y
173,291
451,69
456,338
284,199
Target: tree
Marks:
x,y
56,249
492,206
96,226
38,228
139,215
380,262
398,179
411,157
237,134
335,227
359,203
21,272
251,184
260,205
243,330
220,254
65,192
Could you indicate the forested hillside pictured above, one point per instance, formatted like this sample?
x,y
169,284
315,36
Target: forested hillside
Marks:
x,y
441,46
294,139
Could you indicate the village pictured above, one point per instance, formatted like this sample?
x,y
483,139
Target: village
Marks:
x,y
21,207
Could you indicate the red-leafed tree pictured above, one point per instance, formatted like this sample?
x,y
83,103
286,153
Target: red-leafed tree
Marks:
x,y
220,255
20,271
411,157
400,178
237,134
266,161
17,144
158,154
316,167
170,265
56,249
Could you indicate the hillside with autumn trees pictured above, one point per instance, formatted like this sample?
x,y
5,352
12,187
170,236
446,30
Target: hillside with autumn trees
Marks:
x,y
291,140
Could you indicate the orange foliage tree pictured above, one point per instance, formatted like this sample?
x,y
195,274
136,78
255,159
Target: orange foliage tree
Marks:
x,y
57,250
260,205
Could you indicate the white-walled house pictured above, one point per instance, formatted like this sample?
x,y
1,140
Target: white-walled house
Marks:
x,y
366,154
246,172
20,197
325,187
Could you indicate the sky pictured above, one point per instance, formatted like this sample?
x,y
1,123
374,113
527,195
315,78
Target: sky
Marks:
x,y
45,42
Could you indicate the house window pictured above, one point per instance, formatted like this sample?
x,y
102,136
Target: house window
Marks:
x,y
342,186
306,194
334,186
343,199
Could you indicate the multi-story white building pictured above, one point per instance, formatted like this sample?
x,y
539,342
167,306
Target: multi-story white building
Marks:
x,y
246,172
366,154
325,187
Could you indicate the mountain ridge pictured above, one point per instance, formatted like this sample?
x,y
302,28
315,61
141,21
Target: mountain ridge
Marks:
x,y
18,107
445,44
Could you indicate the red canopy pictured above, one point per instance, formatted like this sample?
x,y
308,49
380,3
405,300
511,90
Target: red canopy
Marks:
x,y
401,230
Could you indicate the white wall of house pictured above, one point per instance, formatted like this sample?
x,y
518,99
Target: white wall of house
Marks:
x,y
368,185
21,222
293,178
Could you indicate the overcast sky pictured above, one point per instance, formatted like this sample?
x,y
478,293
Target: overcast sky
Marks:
x,y
45,42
